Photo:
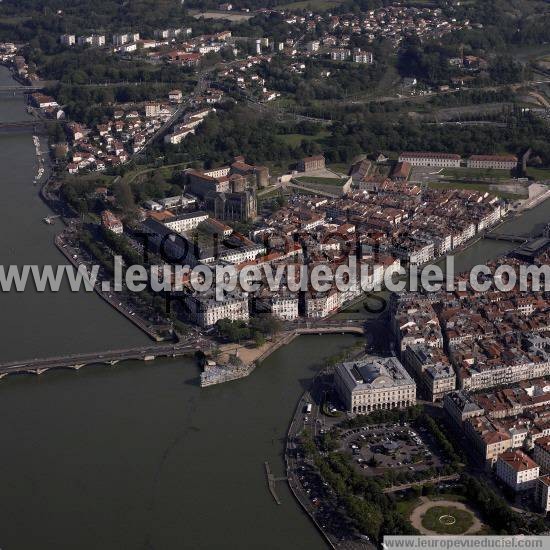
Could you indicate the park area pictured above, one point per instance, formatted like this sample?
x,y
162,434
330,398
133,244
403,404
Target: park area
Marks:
x,y
445,517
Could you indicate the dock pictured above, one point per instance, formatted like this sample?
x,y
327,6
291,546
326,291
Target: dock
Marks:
x,y
50,220
271,480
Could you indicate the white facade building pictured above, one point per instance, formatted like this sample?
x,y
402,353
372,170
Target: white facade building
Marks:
x,y
374,383
186,222
494,162
439,160
517,470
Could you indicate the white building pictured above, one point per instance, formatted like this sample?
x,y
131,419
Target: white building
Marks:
x,y
439,160
318,305
124,38
206,311
175,96
186,222
67,39
374,383
285,307
340,54
313,46
517,470
365,58
152,109
98,40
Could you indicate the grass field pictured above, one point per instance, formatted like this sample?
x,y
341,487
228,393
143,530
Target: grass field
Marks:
x,y
539,173
436,517
476,173
333,182
315,6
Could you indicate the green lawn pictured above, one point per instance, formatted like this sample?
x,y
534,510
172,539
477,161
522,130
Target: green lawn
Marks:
x,y
539,173
436,518
476,173
405,507
315,6
339,168
333,182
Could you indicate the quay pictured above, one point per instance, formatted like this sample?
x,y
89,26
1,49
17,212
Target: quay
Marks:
x,y
110,357
219,374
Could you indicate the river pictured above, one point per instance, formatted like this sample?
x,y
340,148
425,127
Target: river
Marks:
x,y
135,456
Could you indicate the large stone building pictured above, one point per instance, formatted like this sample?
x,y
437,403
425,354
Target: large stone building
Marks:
x,y
238,206
439,160
432,369
206,311
460,408
186,222
542,493
495,162
311,164
517,470
374,383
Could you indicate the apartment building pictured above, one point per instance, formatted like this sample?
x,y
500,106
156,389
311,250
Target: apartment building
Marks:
x,y
460,408
206,311
542,453
488,440
285,307
374,383
67,39
340,54
432,369
318,305
364,58
120,39
542,493
517,470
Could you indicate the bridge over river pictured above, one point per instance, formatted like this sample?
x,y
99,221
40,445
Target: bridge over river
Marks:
x,y
33,125
111,357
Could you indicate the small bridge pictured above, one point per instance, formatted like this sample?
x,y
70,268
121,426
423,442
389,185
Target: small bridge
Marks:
x,y
112,357
20,89
507,238
21,125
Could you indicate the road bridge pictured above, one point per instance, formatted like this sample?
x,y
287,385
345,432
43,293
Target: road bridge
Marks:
x,y
21,125
110,357
20,89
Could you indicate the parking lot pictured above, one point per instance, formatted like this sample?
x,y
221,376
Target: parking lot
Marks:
x,y
376,449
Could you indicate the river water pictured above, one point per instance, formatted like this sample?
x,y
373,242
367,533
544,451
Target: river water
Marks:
x,y
135,456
